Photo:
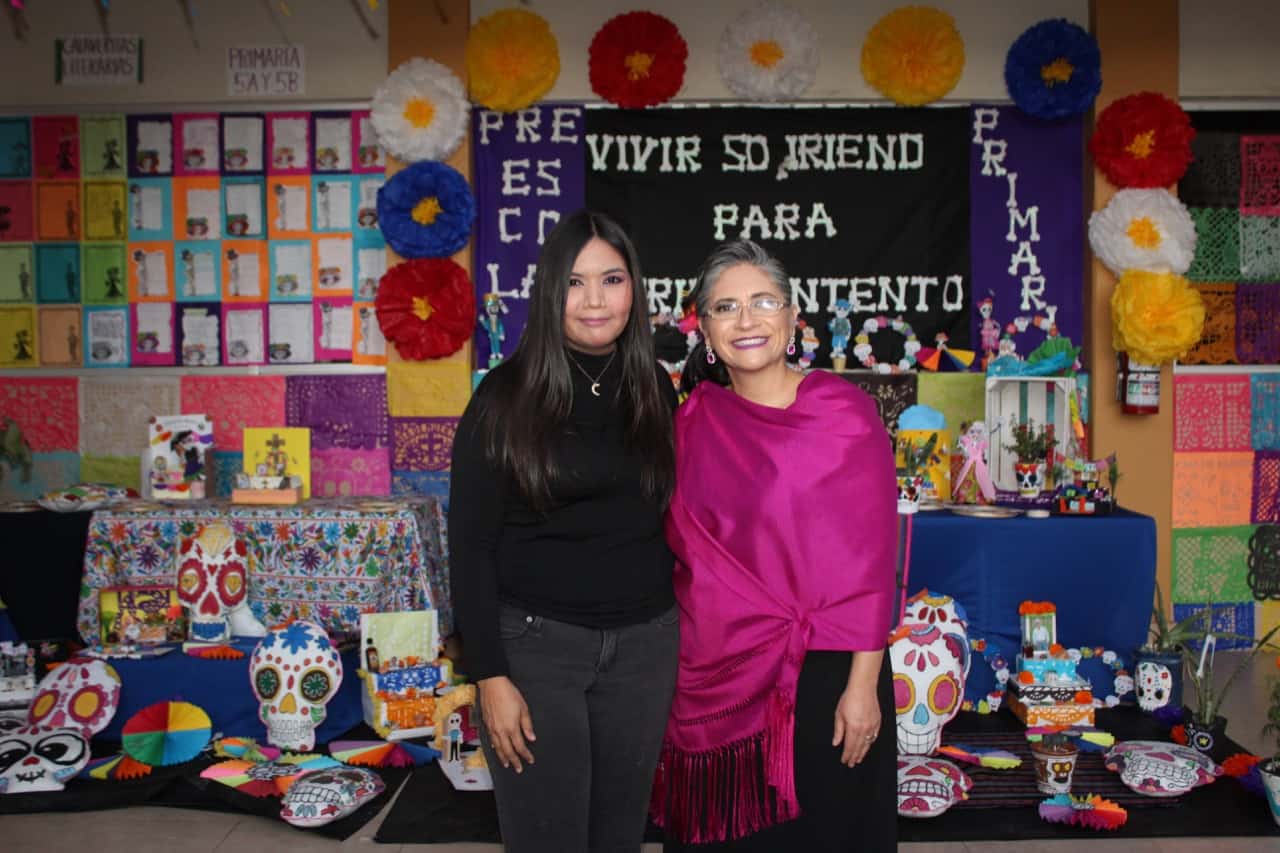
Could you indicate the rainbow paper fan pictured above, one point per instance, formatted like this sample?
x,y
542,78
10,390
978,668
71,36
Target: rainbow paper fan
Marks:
x,y
115,767
244,747
995,759
265,778
1088,738
167,733
381,753
1091,812
944,359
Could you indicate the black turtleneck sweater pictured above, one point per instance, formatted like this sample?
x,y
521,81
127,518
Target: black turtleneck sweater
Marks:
x,y
597,559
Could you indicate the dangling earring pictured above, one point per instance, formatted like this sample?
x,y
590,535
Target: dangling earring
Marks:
x,y
711,356
791,348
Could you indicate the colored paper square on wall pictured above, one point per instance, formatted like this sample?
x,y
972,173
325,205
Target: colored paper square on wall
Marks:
x,y
199,330
60,335
17,211
153,337
57,146
151,272
371,266
288,207
426,483
1260,175
246,270
331,259
337,472
1213,178
422,444
341,411
244,143
49,471
102,145
1266,487
332,137
105,206
1265,429
124,471
57,210
150,144
15,147
368,346
102,273
288,143
1228,618
150,209
244,203
18,338
17,273
1258,323
1260,248
333,203
116,410
1210,564
291,274
106,337
1211,413
369,156
1217,344
233,403
332,321
365,216
57,272
197,209
290,336
47,409
1217,255
197,144
1211,489
439,388
244,334
198,270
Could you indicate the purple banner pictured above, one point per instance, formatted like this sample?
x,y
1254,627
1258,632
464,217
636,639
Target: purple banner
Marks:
x,y
529,168
1026,229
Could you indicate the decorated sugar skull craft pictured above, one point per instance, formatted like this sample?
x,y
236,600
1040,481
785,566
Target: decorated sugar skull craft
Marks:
x,y
1154,684
928,684
81,694
212,581
36,759
927,787
1160,769
295,671
946,614
323,796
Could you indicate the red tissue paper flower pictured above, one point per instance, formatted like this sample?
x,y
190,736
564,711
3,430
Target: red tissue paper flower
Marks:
x,y
427,307
637,60
1143,140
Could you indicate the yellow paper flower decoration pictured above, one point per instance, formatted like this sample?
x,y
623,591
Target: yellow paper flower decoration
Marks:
x,y
512,60
913,55
1155,316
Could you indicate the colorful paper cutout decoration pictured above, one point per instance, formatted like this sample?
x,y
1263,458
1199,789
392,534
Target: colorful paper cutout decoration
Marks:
x,y
769,53
1161,769
115,767
426,211
928,684
246,748
323,796
1264,563
913,55
1145,230
381,753
1156,317
166,733
637,59
927,787
295,671
1053,70
265,778
512,60
1143,140
1091,812
39,759
994,759
425,308
82,694
420,111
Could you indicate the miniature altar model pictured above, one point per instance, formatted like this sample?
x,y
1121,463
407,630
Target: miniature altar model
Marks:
x,y
1047,690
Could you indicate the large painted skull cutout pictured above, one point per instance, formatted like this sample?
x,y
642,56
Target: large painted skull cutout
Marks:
x,y
928,685
81,694
1160,769
295,671
211,580
34,759
323,796
1154,685
927,787
946,614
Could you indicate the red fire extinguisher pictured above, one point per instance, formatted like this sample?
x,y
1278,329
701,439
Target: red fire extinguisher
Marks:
x,y
1137,386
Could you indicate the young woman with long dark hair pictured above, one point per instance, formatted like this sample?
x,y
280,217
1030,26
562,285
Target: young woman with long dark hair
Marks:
x,y
562,468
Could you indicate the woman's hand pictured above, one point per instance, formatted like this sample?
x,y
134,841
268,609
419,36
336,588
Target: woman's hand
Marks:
x,y
857,723
506,718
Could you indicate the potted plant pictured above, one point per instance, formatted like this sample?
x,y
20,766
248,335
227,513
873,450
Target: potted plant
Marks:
x,y
1270,768
916,459
1157,663
1205,725
1032,447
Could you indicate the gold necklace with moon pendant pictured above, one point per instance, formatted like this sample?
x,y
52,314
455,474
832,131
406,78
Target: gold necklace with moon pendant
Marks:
x,y
594,380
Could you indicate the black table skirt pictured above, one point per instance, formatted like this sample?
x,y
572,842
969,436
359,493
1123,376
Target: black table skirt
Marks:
x,y
41,563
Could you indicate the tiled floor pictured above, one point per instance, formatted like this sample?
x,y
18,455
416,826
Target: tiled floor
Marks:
x,y
144,830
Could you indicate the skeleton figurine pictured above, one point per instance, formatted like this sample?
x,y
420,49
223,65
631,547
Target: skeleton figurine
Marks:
x,y
840,327
454,736
491,322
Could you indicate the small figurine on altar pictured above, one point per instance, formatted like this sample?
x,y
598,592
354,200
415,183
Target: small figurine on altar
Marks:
x,y
988,331
840,328
491,322
809,344
453,733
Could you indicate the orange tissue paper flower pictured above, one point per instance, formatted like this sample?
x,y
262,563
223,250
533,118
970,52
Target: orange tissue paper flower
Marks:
x,y
913,55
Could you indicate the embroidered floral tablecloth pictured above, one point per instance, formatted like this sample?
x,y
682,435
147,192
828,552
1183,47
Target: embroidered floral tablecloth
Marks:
x,y
326,560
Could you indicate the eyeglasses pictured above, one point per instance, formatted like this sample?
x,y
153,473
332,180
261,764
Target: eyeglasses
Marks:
x,y
762,306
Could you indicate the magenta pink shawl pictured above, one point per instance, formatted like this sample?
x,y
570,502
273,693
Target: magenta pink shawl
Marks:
x,y
783,524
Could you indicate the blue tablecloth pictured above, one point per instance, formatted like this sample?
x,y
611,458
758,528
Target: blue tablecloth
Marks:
x,y
222,689
1100,572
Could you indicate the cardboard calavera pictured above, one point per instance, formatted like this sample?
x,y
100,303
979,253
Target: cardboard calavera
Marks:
x,y
295,671
1154,685
323,796
927,787
34,759
211,580
82,694
928,685
1160,769
944,613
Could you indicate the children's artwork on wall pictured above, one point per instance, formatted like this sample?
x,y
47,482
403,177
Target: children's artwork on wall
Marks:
x,y
17,337
368,154
244,141
17,273
197,270
244,204
176,449
279,452
150,145
290,270
244,334
332,135
290,335
150,272
102,145
150,209
288,203
198,335
58,272
332,319
288,143
153,334
197,209
57,146
368,346
105,210
15,147
57,210
366,215
17,211
245,270
371,265
102,273
60,335
332,265
198,152
106,337
333,202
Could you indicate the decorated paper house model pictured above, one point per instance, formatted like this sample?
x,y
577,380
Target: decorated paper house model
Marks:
x,y
401,671
1047,690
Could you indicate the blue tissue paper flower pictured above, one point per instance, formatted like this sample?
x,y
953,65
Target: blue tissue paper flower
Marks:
x,y
426,211
1053,70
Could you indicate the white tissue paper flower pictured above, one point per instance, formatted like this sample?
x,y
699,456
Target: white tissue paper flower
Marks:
x,y
420,112
1143,230
769,53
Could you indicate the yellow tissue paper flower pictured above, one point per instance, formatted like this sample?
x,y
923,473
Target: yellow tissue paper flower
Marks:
x,y
1155,316
913,55
512,59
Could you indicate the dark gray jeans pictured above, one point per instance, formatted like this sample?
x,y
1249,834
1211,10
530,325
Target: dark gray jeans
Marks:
x,y
599,700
